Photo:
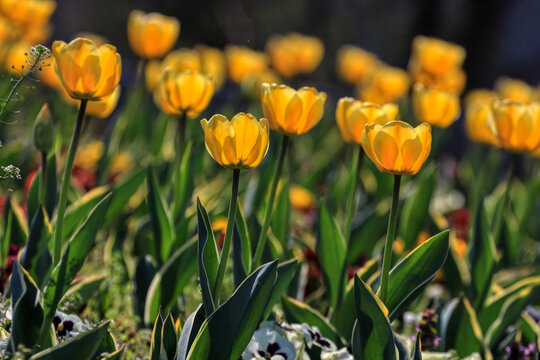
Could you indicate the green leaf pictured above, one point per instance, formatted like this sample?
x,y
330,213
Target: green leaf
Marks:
x,y
183,185
155,344
331,250
162,223
84,345
73,258
189,332
208,258
27,313
144,273
372,334
32,198
413,272
170,280
76,213
529,328
460,329
226,333
84,290
122,192
285,274
282,215
116,355
417,353
168,337
482,260
416,209
241,249
36,247
401,347
160,131
299,312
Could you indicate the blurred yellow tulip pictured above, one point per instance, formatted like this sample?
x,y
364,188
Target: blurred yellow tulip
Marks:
x,y
243,61
301,198
103,108
152,35
355,65
517,125
479,123
252,83
49,77
183,92
435,56
152,73
479,96
15,57
397,148
436,107
89,155
213,63
36,33
352,116
289,111
85,70
28,11
182,59
514,89
386,85
295,53
240,143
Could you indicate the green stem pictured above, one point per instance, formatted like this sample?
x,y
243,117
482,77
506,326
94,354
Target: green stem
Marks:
x,y
181,134
270,205
358,158
42,178
497,227
390,235
228,236
58,229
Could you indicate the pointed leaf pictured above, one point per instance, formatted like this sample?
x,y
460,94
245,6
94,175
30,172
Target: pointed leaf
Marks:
x,y
285,273
189,332
208,258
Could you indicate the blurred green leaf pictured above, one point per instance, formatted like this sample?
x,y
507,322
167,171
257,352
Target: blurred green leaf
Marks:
x,y
417,353
282,214
183,185
241,248
227,332
285,274
208,258
145,271
331,251
77,212
123,191
84,290
168,338
36,247
155,343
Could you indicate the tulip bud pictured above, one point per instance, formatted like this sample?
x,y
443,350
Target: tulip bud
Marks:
x,y
44,130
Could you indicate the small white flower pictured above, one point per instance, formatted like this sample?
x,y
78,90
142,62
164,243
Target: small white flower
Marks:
x,y
267,343
341,354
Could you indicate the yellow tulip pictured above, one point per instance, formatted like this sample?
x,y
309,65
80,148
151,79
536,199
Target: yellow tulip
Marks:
x,y
103,108
28,11
435,56
352,116
152,35
436,107
152,73
213,63
243,61
397,148
386,85
514,89
15,58
182,59
36,33
517,125
301,198
479,123
240,143
89,155
294,53
355,65
484,96
289,111
183,92
252,83
85,70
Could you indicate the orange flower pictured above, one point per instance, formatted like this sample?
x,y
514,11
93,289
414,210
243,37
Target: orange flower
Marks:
x,y
436,107
355,65
386,85
152,35
517,125
294,53
243,61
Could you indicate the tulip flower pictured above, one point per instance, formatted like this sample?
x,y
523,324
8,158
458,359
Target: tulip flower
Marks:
x,y
292,112
103,109
517,125
301,198
479,123
514,89
352,116
237,144
252,83
399,149
355,65
152,35
435,107
213,63
182,59
480,96
295,54
28,11
386,85
435,56
87,72
243,61
152,73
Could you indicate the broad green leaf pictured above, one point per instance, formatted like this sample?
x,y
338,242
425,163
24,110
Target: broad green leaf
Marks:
x,y
227,332
162,223
417,353
77,212
170,280
208,258
122,192
27,313
117,355
299,312
414,272
331,250
36,246
33,196
145,271
155,343
189,332
241,248
416,208
19,227
482,260
160,130
371,227
73,258
285,274
84,289
529,328
460,329
183,185
282,214
495,303
401,347
168,337
84,345
372,335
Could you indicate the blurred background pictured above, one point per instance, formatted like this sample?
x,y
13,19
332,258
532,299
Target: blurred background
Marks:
x,y
499,35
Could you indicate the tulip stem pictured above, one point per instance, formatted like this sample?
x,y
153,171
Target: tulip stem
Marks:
x,y
58,229
270,205
181,134
358,158
228,236
497,224
390,235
